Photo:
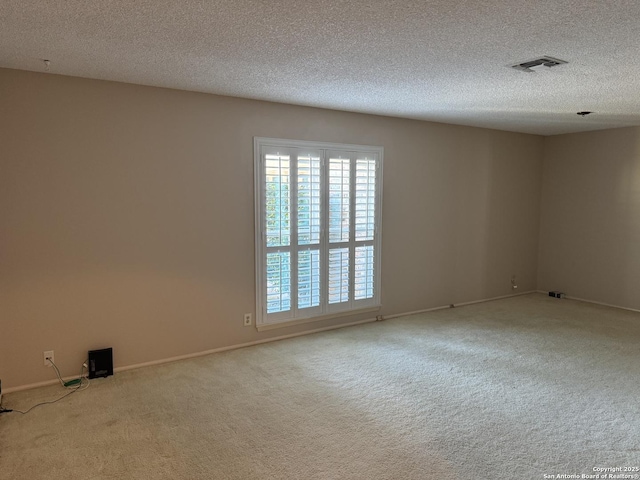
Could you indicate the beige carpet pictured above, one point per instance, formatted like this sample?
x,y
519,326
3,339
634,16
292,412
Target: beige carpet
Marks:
x,y
515,388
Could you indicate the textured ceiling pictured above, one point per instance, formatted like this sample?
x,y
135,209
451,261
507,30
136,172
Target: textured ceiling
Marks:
x,y
440,60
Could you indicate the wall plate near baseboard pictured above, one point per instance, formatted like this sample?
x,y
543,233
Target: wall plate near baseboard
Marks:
x,y
556,294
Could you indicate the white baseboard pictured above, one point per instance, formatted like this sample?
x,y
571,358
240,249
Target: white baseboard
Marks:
x,y
433,309
603,304
494,298
241,345
585,300
258,342
415,312
29,386
194,355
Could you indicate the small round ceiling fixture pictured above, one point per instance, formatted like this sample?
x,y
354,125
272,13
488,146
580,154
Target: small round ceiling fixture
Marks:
x,y
583,114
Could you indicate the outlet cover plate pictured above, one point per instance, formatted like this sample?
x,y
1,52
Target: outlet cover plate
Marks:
x,y
48,354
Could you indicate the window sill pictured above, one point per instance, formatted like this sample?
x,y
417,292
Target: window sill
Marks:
x,y
289,323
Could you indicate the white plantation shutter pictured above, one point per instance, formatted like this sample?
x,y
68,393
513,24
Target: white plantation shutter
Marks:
x,y
277,232
339,230
365,227
308,211
317,229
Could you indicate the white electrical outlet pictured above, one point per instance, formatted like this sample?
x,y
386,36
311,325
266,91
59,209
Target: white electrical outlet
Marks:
x,y
247,320
48,355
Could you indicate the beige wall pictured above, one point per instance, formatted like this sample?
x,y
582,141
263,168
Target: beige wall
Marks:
x,y
590,224
126,216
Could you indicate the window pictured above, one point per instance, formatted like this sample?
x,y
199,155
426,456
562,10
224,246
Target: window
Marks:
x,y
318,211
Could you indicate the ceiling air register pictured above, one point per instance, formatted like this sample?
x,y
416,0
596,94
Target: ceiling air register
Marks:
x,y
538,63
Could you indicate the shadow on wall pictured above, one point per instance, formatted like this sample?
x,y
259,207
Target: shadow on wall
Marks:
x,y
497,195
629,196
590,221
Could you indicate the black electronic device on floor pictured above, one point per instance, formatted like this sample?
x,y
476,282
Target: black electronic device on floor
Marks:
x,y
100,363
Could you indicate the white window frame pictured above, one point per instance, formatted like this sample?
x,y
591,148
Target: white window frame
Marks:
x,y
264,146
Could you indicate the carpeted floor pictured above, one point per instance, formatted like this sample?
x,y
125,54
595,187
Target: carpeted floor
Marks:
x,y
515,388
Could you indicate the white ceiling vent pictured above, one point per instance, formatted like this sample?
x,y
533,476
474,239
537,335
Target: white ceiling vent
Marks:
x,y
537,63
